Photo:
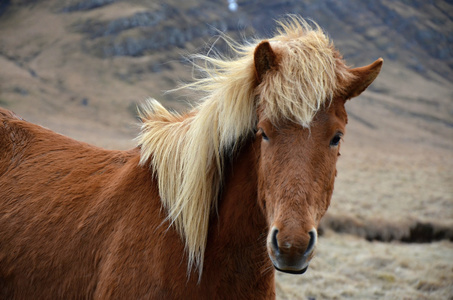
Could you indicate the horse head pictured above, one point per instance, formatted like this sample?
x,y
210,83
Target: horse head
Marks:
x,y
298,154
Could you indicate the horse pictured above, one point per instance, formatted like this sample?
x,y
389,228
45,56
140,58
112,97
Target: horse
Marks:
x,y
207,205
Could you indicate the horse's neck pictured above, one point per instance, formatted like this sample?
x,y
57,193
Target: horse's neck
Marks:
x,y
237,238
239,216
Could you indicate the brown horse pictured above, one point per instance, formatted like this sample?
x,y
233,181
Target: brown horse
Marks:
x,y
206,206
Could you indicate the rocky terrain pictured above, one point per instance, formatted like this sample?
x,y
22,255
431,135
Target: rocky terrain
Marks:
x,y
81,67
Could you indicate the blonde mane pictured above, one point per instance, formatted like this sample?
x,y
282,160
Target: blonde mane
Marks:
x,y
186,153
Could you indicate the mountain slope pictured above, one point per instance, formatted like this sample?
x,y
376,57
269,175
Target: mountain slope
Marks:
x,y
95,59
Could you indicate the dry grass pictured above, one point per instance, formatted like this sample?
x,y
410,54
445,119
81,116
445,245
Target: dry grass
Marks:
x,y
347,267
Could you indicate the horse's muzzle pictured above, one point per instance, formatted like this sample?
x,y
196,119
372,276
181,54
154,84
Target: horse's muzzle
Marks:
x,y
291,257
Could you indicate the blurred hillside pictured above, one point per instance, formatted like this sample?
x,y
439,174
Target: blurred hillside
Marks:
x,y
94,60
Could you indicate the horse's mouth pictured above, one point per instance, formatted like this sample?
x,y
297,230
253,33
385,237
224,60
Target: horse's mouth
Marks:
x,y
291,268
297,272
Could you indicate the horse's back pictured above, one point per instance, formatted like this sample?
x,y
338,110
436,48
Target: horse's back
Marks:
x,y
24,143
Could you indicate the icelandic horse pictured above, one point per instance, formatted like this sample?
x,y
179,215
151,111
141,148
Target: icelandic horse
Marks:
x,y
206,206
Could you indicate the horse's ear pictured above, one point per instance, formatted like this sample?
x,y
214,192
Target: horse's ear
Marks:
x,y
265,59
364,76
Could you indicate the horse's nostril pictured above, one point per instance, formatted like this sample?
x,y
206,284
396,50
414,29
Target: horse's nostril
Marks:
x,y
274,240
312,243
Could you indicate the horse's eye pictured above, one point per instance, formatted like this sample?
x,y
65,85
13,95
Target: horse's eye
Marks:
x,y
336,139
263,135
